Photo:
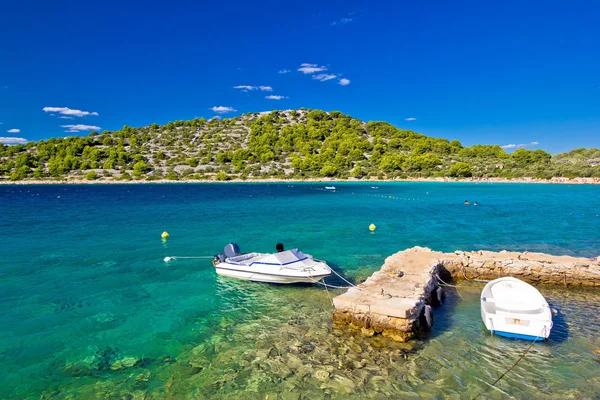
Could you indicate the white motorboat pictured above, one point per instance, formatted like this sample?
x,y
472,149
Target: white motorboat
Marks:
x,y
291,266
515,309
329,187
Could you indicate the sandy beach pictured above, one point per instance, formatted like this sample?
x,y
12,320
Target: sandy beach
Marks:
x,y
556,180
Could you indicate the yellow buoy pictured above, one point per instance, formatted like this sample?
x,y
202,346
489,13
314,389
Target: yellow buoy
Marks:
x,y
165,235
372,227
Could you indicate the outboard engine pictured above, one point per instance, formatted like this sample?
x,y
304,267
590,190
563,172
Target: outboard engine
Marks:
x,y
231,250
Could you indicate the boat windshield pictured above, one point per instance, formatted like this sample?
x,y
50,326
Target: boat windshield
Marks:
x,y
287,257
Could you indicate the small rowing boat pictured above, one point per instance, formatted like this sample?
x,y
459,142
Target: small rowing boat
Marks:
x,y
515,309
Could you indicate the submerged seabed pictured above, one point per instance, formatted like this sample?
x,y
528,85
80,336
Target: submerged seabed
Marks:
x,y
89,310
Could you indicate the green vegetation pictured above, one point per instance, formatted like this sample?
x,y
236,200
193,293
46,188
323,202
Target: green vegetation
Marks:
x,y
296,144
461,169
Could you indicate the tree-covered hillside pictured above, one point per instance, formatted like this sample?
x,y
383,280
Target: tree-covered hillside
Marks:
x,y
281,144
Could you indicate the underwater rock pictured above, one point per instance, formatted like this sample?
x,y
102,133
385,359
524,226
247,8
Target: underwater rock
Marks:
x,y
293,362
144,376
359,364
307,347
354,347
279,369
104,357
167,360
321,374
125,362
262,341
367,331
341,384
304,370
287,395
138,395
80,368
104,317
274,352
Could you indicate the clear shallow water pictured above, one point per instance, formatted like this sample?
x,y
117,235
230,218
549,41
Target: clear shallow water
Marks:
x,y
88,308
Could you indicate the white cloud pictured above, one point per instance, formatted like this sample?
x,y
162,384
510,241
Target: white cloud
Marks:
x,y
341,21
222,109
274,97
1,123
80,127
410,119
284,71
519,146
324,77
245,87
306,68
13,130
68,111
344,81
65,117
13,140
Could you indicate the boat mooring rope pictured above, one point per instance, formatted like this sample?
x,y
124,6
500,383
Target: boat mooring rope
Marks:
x,y
515,364
167,259
328,295
327,286
442,283
342,278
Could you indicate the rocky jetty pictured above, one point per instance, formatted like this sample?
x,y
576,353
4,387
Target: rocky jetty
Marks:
x,y
529,267
396,300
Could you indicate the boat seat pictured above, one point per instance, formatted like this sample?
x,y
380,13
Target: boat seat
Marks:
x,y
242,257
511,307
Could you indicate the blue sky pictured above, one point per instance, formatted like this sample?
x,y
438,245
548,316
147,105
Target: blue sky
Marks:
x,y
511,72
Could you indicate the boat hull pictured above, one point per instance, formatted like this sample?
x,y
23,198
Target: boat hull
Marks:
x,y
516,310
512,335
268,278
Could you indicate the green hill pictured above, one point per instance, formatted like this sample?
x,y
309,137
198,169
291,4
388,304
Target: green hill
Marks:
x,y
281,144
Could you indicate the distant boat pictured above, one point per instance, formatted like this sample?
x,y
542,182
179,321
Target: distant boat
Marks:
x,y
374,187
329,187
515,309
291,266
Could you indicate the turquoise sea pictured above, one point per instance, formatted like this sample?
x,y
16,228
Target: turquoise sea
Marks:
x,y
89,309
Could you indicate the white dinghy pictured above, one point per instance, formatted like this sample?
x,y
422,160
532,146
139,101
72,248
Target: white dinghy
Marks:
x,y
515,309
291,266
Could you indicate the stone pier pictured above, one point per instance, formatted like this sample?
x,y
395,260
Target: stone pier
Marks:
x,y
396,300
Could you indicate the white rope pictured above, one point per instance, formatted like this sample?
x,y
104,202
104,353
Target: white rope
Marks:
x,y
342,278
319,282
167,259
328,295
442,283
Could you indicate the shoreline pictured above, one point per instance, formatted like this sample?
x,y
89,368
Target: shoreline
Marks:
x,y
562,181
